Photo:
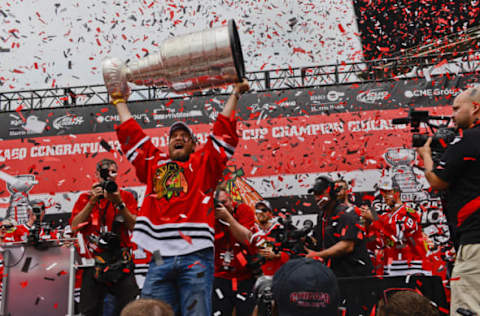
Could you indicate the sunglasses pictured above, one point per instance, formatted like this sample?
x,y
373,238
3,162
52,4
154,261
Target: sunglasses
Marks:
x,y
6,226
388,293
261,210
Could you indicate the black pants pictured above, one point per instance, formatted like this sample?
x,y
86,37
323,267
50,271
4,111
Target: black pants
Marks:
x,y
93,293
225,298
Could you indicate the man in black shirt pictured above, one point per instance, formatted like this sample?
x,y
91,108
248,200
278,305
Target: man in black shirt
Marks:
x,y
340,243
459,174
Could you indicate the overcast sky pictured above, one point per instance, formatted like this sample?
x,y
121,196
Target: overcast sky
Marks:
x,y
61,43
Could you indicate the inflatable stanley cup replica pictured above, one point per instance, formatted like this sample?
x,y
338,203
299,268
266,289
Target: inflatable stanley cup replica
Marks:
x,y
190,62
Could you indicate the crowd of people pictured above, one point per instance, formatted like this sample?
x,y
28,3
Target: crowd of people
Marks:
x,y
207,251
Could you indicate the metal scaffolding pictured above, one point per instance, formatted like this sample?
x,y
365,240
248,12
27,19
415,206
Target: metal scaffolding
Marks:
x,y
291,78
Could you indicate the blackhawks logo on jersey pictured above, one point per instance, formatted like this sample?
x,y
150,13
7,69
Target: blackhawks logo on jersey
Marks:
x,y
169,181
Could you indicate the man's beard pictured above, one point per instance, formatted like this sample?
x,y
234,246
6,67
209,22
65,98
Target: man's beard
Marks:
x,y
180,157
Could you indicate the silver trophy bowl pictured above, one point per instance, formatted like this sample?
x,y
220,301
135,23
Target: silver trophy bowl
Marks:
x,y
191,62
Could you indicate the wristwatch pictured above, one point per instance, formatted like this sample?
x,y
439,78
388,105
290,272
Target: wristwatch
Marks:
x,y
120,206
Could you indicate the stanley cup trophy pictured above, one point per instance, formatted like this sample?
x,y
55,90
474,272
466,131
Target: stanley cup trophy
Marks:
x,y
191,62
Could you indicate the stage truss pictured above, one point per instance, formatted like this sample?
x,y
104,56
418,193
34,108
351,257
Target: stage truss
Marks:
x,y
290,78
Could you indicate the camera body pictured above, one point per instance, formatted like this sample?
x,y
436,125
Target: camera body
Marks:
x,y
442,135
107,184
291,239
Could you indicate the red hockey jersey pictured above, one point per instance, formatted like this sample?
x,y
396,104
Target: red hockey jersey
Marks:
x,y
177,215
399,234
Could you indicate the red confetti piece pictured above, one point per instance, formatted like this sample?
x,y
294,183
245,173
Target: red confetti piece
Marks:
x,y
24,284
440,64
234,284
185,237
340,27
195,263
241,259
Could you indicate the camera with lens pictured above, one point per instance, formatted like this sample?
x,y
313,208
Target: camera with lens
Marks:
x,y
37,210
107,184
442,134
109,240
34,236
291,239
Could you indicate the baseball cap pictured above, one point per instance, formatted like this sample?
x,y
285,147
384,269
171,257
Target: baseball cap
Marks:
x,y
180,125
321,184
264,203
305,287
387,183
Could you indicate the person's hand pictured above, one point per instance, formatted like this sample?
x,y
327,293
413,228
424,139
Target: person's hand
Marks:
x,y
268,253
241,87
115,80
222,213
96,192
366,213
31,219
311,253
114,197
425,150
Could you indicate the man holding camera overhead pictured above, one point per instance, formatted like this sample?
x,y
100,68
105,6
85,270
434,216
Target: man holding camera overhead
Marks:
x,y
458,172
104,216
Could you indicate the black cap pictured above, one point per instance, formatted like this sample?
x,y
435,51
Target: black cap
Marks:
x,y
320,185
305,287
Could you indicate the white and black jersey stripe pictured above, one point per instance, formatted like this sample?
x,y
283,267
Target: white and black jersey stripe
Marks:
x,y
170,239
132,153
229,150
404,267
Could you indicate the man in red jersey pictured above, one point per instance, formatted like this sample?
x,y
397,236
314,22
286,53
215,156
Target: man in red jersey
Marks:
x,y
233,279
104,217
263,241
398,233
176,220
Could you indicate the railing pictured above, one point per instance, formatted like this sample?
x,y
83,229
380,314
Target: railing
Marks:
x,y
345,73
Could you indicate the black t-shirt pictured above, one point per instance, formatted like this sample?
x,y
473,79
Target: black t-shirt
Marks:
x,y
460,167
342,224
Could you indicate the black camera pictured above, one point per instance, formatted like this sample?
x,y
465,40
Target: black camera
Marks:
x,y
442,134
109,241
289,238
108,184
37,210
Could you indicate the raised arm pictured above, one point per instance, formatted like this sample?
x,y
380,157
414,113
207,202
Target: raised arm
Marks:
x,y
231,105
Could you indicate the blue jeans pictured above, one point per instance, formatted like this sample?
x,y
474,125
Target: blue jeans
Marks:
x,y
185,282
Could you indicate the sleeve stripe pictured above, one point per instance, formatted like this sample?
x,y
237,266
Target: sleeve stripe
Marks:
x,y
131,153
228,148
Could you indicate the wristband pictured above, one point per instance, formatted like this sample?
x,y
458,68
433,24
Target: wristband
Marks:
x,y
116,101
120,206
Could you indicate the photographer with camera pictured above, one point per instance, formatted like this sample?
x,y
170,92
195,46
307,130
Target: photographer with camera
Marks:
x,y
339,241
458,172
35,228
104,216
234,280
